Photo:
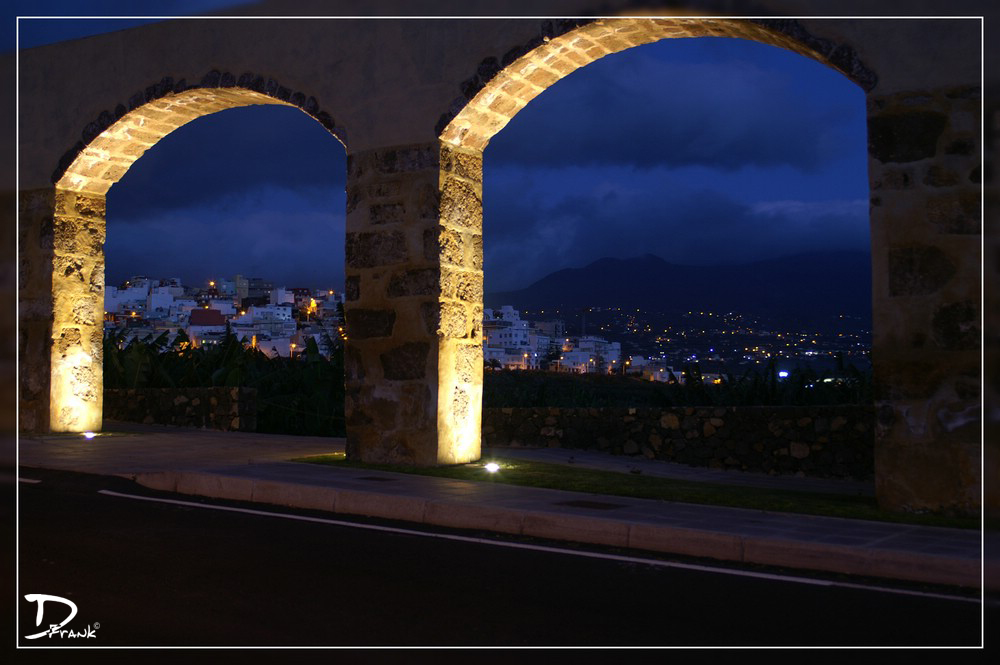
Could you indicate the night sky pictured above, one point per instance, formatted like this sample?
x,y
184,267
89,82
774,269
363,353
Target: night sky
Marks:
x,y
701,151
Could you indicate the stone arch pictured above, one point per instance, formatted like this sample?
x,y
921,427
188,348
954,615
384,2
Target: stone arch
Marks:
x,y
115,139
502,86
925,181
108,147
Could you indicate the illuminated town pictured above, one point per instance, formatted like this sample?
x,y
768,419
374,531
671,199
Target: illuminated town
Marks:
x,y
652,344
278,321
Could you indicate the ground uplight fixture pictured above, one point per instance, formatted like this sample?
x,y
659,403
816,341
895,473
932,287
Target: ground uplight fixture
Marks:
x,y
89,435
492,467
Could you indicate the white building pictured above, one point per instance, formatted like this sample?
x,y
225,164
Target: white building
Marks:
x,y
129,299
505,328
206,326
269,321
159,301
507,339
607,355
661,373
282,296
511,342
577,361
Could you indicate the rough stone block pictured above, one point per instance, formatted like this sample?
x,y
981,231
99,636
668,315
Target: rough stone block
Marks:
x,y
78,236
468,362
367,323
453,323
461,205
955,213
798,450
352,288
430,315
891,178
463,164
467,286
426,201
956,326
670,421
450,247
906,136
403,160
460,403
420,282
405,362
387,213
918,270
416,406
375,248
939,176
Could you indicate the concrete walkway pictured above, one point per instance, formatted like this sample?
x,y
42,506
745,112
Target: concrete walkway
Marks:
x,y
254,467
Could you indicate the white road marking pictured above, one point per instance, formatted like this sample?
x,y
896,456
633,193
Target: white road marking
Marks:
x,y
553,550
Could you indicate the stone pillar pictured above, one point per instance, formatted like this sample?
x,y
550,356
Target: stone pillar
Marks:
x,y
76,267
926,189
414,293
35,210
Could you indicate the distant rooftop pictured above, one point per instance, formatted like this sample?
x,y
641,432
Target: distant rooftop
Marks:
x,y
207,317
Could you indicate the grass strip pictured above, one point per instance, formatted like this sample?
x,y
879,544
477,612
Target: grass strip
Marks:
x,y
557,476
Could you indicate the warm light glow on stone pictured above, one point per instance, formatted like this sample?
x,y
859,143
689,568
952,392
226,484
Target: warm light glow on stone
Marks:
x,y
77,397
511,89
460,400
76,387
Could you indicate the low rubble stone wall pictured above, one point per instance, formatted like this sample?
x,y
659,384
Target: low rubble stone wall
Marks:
x,y
821,441
220,408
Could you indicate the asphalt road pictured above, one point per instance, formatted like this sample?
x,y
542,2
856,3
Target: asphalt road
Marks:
x,y
146,573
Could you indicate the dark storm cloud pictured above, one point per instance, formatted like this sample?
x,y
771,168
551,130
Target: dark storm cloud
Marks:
x,y
230,154
699,151
285,239
524,241
652,108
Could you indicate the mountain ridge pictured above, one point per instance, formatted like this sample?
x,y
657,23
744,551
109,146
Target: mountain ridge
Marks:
x,y
805,287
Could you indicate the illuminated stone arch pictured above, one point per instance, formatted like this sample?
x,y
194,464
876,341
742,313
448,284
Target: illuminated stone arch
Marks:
x,y
925,185
109,146
500,87
504,85
422,104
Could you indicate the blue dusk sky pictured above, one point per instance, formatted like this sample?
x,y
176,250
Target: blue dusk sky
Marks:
x,y
701,151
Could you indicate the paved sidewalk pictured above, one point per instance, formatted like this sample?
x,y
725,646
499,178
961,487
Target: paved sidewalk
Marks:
x,y
253,467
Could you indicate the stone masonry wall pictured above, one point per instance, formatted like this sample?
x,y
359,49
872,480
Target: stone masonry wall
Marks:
x,y
925,174
35,212
413,290
220,408
390,296
60,309
77,311
828,441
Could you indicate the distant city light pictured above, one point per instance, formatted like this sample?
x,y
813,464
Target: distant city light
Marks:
x,y
782,374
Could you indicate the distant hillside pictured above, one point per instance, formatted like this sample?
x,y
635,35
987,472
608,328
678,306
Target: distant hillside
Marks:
x,y
803,288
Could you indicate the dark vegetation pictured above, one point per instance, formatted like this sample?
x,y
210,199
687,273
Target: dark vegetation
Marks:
x,y
301,396
305,395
